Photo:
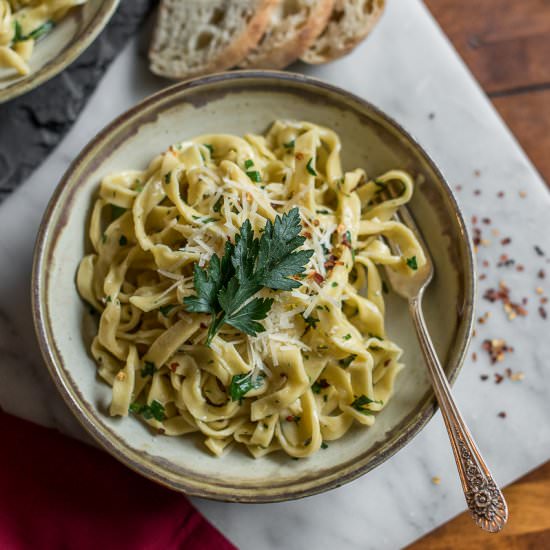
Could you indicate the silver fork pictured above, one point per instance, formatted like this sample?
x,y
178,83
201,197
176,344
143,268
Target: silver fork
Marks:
x,y
484,498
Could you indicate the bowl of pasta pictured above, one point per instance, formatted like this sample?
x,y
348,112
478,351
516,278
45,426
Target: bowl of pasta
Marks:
x,y
209,291
39,38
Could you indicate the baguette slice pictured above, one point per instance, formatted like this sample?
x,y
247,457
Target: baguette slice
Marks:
x,y
295,24
351,21
196,37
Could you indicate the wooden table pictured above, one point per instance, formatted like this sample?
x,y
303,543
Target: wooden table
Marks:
x,y
506,44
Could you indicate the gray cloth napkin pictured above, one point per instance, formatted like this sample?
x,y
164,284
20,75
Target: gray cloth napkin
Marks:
x,y
33,124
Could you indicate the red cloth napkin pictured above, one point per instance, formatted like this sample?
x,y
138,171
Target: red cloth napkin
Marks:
x,y
57,493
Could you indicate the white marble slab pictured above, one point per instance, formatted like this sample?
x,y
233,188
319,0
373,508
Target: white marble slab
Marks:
x,y
408,69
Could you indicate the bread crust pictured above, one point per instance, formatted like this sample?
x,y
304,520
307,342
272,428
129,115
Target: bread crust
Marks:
x,y
224,59
338,49
278,56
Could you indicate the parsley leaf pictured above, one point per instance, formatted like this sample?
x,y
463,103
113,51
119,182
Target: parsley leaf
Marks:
x,y
248,163
210,148
41,30
218,205
411,262
225,287
242,384
360,402
289,144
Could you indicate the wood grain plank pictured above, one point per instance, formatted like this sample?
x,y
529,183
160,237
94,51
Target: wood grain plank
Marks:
x,y
528,527
505,43
528,116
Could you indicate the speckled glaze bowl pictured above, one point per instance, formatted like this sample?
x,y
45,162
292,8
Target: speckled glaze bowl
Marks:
x,y
240,102
68,39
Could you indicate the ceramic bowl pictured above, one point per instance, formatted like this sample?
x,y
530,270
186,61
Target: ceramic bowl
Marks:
x,y
68,39
240,102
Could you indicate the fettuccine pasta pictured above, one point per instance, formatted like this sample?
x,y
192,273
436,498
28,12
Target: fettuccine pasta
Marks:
x,y
320,362
22,23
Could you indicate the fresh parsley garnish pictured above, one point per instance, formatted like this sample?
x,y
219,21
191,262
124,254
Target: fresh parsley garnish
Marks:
x,y
347,337
347,361
324,445
360,402
165,310
310,168
210,148
411,262
248,163
254,175
148,369
242,384
225,288
154,410
167,177
289,144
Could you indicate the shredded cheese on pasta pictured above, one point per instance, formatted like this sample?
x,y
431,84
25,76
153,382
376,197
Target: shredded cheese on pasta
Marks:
x,y
22,23
323,362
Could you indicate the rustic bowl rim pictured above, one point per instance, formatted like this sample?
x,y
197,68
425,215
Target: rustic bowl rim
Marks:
x,y
191,487
66,56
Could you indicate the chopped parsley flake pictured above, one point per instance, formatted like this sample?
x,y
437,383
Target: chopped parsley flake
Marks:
x,y
311,322
324,445
248,163
154,410
290,144
148,369
411,262
347,361
218,205
255,176
210,148
167,177
347,337
242,384
360,402
310,168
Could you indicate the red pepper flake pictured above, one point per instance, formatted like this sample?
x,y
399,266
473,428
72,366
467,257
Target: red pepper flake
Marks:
x,y
502,414
498,378
477,236
485,263
500,194
477,173
520,267
387,362
496,348
541,274
544,300
484,377
524,301
482,277
542,312
317,277
474,332
486,221
346,239
522,194
290,418
477,192
203,325
458,188
306,234
474,219
474,356
316,222
299,156
506,241
512,309
174,366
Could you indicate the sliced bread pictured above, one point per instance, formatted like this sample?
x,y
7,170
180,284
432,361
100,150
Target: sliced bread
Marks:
x,y
196,37
294,26
350,22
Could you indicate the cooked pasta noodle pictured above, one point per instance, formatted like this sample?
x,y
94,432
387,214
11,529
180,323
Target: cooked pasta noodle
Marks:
x,y
22,22
322,362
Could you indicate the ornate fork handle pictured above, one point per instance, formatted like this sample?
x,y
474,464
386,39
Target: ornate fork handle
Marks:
x,y
485,500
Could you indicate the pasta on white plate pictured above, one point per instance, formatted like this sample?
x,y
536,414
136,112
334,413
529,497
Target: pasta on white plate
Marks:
x,y
239,296
22,23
